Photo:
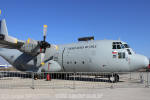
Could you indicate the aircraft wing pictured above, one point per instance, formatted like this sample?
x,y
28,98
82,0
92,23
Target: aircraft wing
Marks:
x,y
30,46
11,45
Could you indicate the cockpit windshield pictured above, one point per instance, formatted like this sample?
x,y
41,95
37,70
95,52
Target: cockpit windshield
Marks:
x,y
122,45
117,45
126,46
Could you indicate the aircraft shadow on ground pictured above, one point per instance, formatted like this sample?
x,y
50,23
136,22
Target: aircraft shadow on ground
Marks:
x,y
16,74
71,78
87,79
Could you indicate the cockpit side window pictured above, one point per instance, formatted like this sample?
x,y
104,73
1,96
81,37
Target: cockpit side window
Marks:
x,y
121,55
129,52
118,47
114,47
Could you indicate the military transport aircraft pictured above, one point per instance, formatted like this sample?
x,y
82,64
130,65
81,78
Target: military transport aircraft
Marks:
x,y
87,55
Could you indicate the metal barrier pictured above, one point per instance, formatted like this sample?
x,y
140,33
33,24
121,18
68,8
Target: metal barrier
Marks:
x,y
72,80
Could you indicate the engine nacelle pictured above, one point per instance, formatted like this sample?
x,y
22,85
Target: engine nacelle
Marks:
x,y
30,46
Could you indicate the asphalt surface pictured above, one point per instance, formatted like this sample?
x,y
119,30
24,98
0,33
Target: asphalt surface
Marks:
x,y
79,94
19,87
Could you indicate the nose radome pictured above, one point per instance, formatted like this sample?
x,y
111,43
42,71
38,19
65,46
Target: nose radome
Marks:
x,y
146,62
138,61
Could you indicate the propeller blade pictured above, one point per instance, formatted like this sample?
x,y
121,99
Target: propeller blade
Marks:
x,y
44,32
42,55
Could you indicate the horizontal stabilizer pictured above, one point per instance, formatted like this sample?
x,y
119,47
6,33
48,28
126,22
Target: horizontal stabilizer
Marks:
x,y
7,41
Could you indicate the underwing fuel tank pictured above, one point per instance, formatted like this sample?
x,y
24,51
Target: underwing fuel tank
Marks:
x,y
51,66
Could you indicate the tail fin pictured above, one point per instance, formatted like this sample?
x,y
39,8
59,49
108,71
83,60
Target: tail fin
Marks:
x,y
3,27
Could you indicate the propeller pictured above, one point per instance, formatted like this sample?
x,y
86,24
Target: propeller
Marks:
x,y
44,44
38,48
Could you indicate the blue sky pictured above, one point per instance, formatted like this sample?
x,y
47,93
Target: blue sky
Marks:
x,y
67,20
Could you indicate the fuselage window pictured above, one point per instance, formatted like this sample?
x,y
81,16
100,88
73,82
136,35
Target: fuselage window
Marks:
x,y
121,55
67,62
82,62
75,62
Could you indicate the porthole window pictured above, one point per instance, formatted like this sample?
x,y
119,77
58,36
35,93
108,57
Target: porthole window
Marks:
x,y
82,62
75,62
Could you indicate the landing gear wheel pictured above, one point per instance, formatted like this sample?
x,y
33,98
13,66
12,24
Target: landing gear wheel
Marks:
x,y
114,78
35,77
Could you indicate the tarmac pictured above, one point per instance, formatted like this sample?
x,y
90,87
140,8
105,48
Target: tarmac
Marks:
x,y
76,94
19,88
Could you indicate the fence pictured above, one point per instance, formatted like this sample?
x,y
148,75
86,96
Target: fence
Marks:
x,y
71,80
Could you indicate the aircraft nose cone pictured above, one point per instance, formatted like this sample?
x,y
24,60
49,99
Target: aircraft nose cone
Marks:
x,y
138,62
143,61
146,62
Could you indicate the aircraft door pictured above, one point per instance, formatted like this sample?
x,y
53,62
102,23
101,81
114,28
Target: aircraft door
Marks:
x,y
58,57
67,60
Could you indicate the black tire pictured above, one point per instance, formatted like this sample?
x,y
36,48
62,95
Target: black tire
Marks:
x,y
36,77
116,78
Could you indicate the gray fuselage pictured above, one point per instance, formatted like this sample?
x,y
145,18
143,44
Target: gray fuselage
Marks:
x,y
86,56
